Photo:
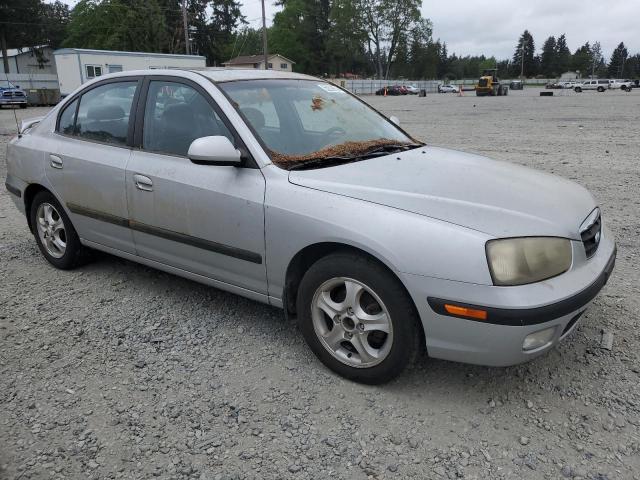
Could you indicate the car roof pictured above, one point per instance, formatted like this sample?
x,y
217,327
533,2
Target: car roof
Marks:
x,y
217,74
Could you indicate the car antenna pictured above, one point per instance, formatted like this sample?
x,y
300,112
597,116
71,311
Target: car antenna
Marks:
x,y
15,115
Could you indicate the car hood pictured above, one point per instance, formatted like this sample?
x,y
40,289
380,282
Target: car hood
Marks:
x,y
494,197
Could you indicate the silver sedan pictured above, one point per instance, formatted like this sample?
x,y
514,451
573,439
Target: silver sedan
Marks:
x,y
291,191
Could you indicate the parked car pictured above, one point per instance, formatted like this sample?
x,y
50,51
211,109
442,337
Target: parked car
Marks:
x,y
598,85
617,84
392,90
412,89
568,85
291,191
11,95
554,85
516,85
447,89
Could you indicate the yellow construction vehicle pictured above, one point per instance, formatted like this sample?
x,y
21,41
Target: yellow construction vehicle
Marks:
x,y
489,84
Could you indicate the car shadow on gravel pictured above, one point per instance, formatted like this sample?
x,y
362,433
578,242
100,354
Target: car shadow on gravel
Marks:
x,y
208,310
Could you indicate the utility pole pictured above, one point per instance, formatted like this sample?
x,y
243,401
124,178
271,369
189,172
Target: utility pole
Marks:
x,y
187,47
264,38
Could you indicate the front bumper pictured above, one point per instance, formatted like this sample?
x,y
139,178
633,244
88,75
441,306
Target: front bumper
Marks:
x,y
22,101
513,313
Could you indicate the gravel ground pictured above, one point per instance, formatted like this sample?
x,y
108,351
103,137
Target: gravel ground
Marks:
x,y
116,370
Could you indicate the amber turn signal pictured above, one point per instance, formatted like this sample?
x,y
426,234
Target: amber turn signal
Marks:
x,y
465,312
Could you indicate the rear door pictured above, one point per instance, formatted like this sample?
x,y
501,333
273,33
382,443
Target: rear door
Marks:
x,y
204,219
92,152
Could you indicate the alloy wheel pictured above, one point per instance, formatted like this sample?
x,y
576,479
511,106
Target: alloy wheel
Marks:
x,y
51,230
351,322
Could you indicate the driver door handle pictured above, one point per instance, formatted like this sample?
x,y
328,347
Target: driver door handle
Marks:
x,y
143,183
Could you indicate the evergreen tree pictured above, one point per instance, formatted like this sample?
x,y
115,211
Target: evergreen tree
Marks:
x,y
617,62
523,57
581,60
548,57
562,56
443,60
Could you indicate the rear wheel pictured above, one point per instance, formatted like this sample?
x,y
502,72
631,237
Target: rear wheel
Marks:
x,y
577,89
54,233
357,318
601,89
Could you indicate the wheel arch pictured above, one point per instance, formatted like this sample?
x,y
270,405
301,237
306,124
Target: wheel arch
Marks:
x,y
29,194
310,254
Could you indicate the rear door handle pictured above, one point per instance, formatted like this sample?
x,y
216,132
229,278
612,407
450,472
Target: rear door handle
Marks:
x,y
55,161
143,183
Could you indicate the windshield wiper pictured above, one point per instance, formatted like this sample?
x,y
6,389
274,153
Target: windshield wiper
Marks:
x,y
338,160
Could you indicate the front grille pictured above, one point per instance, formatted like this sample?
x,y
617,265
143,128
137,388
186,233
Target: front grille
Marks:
x,y
590,234
6,94
18,94
482,82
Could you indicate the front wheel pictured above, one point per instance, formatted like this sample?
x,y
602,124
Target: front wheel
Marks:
x,y
357,318
54,233
577,89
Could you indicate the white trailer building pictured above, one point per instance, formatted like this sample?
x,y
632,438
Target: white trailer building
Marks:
x,y
77,65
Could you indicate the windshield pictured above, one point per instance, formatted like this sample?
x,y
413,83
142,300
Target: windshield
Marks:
x,y
303,121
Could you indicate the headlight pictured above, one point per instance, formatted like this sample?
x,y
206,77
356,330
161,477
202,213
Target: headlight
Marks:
x,y
518,261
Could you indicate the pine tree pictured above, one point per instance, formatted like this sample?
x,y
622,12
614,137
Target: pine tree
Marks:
x,y
548,57
563,55
581,60
523,58
617,62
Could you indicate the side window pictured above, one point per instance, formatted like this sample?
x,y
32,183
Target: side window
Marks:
x,y
68,118
104,113
93,71
175,115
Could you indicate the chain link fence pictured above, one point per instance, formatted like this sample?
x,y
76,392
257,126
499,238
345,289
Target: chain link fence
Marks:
x,y
369,87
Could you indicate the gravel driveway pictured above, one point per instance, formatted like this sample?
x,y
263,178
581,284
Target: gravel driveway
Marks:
x,y
116,370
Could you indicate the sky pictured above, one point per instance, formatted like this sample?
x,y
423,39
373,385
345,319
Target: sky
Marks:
x,y
475,27
492,27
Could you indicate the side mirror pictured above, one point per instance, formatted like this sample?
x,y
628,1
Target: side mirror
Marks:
x,y
395,120
215,150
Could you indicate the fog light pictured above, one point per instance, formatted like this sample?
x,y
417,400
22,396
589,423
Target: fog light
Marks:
x,y
538,339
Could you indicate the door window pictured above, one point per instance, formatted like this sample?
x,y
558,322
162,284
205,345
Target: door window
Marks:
x,y
68,118
175,115
104,113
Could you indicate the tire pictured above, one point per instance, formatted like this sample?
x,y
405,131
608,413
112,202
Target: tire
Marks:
x,y
65,249
505,91
600,89
346,341
577,90
23,106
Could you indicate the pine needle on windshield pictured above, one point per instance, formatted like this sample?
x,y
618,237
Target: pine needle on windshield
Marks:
x,y
346,149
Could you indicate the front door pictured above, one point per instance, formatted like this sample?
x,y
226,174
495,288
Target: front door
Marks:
x,y
208,220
